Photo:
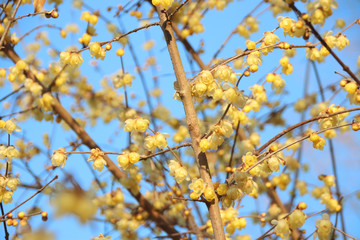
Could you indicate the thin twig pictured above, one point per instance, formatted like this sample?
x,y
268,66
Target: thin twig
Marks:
x,y
311,215
20,112
34,14
177,9
5,227
292,143
143,82
318,36
303,113
36,28
36,193
332,154
53,82
282,133
344,233
164,151
234,31
120,37
12,93
346,28
7,27
233,148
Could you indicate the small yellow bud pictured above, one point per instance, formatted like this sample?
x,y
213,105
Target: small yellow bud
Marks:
x,y
250,45
247,109
21,215
299,24
44,214
254,68
270,77
9,222
63,33
54,14
302,206
305,16
108,46
343,83
355,126
120,52
273,148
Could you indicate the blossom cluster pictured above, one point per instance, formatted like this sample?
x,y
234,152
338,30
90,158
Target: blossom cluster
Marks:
x,y
90,18
136,125
318,142
126,160
122,79
352,89
164,3
73,59
178,171
284,226
250,25
323,227
97,51
219,131
324,193
7,187
8,152
156,141
9,126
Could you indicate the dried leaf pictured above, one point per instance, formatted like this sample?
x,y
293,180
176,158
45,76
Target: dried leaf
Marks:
x,y
38,5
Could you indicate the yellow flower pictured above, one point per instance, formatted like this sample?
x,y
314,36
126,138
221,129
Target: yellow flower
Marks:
x,y
59,157
6,196
134,157
74,201
11,152
222,189
150,143
12,183
160,140
123,161
197,185
99,163
234,192
205,144
282,228
97,51
324,227
46,102
141,125
97,155
209,194
9,126
297,219
136,125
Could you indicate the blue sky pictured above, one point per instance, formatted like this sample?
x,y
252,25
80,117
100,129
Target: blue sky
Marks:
x,y
218,26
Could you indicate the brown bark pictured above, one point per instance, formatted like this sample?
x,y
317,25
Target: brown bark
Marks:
x,y
191,119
